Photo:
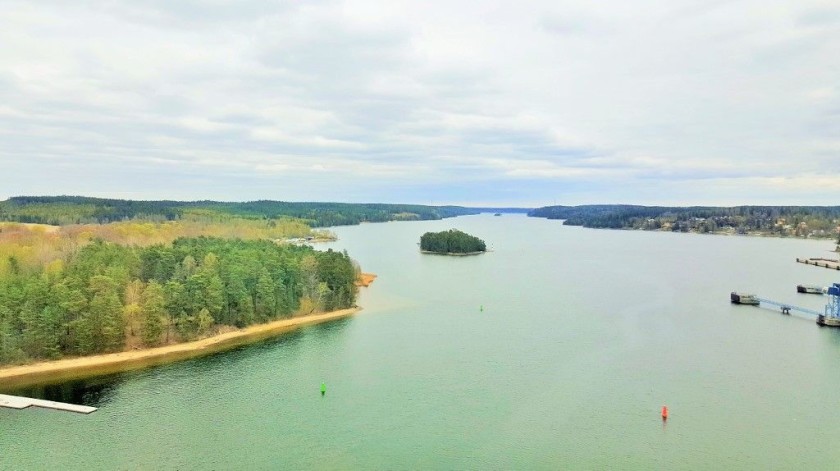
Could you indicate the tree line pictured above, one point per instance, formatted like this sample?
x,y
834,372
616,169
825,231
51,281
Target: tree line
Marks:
x,y
63,210
32,246
108,297
803,221
451,241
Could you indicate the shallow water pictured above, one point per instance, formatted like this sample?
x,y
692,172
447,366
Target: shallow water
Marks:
x,y
583,336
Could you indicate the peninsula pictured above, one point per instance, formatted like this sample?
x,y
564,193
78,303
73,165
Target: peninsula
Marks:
x,y
132,287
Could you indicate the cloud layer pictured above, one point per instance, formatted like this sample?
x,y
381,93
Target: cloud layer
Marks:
x,y
515,103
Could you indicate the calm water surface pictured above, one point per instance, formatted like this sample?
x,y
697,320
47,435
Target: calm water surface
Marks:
x,y
583,336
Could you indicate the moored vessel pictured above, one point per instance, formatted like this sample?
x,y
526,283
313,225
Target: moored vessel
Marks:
x,y
828,321
742,298
811,289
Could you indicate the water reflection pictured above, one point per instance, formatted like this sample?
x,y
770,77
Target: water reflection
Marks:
x,y
98,391
94,392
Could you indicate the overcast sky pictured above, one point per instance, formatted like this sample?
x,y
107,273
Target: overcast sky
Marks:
x,y
531,103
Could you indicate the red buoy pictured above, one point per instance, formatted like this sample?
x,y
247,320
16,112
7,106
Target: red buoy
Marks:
x,y
664,412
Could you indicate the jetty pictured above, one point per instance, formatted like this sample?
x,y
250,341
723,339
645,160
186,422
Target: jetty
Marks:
x,y
18,402
787,307
820,262
829,318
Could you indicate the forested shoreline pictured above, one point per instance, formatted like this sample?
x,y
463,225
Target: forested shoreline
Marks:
x,y
785,221
107,297
64,210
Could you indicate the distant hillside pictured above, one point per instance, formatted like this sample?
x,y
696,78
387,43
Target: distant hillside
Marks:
x,y
504,210
798,221
63,210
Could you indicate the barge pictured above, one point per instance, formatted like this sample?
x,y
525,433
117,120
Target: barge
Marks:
x,y
741,298
811,289
828,321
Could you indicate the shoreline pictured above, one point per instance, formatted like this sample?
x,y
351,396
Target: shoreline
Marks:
x,y
453,254
57,371
831,238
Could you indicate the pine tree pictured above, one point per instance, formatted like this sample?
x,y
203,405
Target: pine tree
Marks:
x,y
265,300
153,306
101,328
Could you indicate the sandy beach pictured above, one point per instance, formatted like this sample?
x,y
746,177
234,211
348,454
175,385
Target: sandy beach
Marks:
x,y
76,368
365,279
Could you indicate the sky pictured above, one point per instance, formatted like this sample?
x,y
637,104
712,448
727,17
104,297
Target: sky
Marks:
x,y
481,103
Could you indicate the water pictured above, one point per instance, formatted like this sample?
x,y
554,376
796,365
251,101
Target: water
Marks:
x,y
583,336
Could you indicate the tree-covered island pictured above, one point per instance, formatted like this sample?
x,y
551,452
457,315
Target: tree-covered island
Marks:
x,y
451,242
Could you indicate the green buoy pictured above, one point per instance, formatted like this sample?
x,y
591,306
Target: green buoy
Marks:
x,y
481,308
323,388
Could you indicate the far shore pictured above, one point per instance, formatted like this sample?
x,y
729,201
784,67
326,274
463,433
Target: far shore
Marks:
x,y
83,367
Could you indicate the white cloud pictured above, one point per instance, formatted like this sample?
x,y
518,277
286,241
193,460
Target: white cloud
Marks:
x,y
306,98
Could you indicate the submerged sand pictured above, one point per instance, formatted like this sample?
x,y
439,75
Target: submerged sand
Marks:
x,y
83,367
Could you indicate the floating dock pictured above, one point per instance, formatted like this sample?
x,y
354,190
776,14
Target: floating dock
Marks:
x,y
821,262
17,402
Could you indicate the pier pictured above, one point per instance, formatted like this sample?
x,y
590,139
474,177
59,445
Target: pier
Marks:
x,y
786,307
830,317
17,402
820,262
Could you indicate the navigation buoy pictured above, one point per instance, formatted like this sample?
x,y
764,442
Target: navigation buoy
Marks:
x,y
323,388
481,308
664,412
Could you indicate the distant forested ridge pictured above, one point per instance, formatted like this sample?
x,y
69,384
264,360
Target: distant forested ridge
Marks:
x,y
505,210
107,297
63,210
798,221
452,241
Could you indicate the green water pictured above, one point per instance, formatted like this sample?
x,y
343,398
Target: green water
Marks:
x,y
583,336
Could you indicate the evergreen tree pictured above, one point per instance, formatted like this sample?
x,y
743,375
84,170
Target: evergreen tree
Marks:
x,y
204,321
41,321
176,305
73,303
153,309
100,329
9,349
265,300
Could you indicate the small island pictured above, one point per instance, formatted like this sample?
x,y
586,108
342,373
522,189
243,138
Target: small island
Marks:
x,y
451,242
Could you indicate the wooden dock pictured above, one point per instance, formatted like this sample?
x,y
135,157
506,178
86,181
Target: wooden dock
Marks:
x,y
17,402
821,262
